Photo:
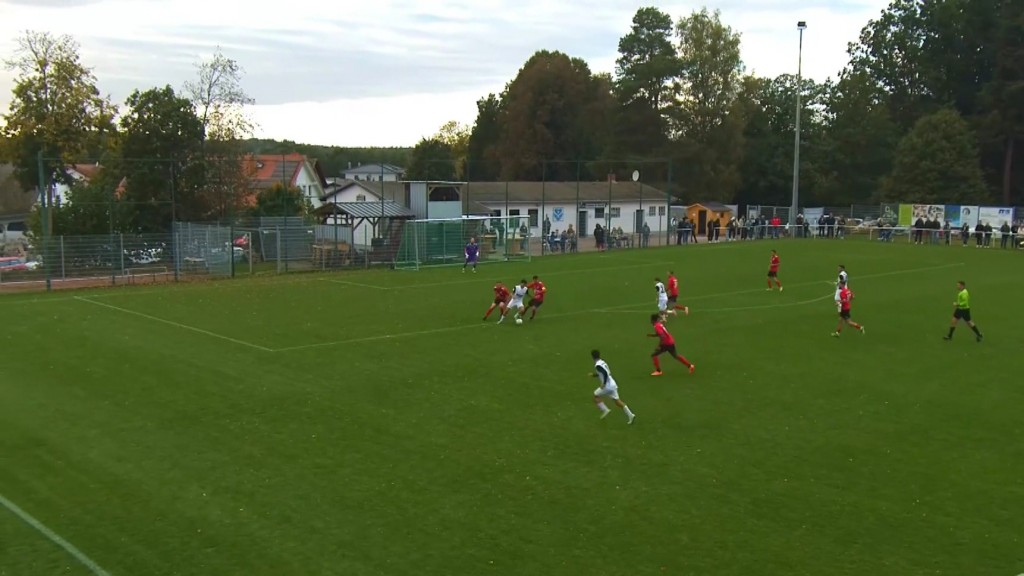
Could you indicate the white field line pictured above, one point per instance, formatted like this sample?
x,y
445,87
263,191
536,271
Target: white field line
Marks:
x,y
53,537
175,324
611,308
478,281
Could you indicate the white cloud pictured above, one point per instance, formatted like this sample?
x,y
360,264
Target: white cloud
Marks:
x,y
388,72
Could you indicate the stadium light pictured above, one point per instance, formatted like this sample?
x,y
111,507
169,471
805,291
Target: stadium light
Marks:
x,y
801,26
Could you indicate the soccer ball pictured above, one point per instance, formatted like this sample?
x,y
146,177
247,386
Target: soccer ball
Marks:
x,y
519,321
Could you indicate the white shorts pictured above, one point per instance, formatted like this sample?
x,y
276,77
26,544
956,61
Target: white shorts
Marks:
x,y
662,303
516,304
609,392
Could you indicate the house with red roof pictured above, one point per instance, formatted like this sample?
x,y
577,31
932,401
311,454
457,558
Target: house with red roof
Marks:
x,y
296,170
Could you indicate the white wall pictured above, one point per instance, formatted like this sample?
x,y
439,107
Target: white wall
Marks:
x,y
307,181
363,232
569,214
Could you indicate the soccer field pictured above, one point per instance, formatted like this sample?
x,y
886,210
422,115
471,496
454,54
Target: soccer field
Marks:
x,y
370,423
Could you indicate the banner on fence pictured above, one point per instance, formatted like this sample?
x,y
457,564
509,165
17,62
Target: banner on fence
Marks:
x,y
890,213
995,216
811,215
967,215
953,215
928,212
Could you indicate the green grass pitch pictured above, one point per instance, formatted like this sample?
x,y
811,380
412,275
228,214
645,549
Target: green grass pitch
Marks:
x,y
370,423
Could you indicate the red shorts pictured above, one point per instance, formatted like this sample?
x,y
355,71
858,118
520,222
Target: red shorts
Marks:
x,y
499,301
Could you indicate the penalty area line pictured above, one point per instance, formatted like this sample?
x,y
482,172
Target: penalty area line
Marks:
x,y
175,324
53,537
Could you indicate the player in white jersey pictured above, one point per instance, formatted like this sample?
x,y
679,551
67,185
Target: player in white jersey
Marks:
x,y
608,388
659,287
840,281
516,302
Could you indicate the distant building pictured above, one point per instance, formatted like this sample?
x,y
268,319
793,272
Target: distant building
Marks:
x,y
296,170
374,172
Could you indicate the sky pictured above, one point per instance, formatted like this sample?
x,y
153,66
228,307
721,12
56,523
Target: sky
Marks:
x,y
390,72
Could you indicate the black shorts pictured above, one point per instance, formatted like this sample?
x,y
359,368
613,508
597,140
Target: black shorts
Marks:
x,y
773,274
671,349
672,300
534,303
844,314
962,314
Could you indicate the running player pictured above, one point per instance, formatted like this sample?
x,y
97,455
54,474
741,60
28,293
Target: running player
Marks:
x,y
501,296
773,271
539,290
608,388
842,279
962,311
673,294
663,310
518,293
472,254
845,299
666,343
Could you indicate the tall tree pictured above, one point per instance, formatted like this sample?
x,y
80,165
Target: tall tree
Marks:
x,y
937,163
220,102
456,137
432,160
645,74
552,111
161,147
1003,97
708,122
861,137
56,108
481,156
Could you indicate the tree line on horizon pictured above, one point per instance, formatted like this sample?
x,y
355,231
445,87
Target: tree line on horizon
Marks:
x,y
164,154
928,109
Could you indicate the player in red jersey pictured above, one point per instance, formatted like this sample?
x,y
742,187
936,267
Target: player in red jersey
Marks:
x,y
539,290
666,343
501,297
773,271
673,293
845,298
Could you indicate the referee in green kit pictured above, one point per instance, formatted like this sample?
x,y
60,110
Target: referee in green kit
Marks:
x,y
962,311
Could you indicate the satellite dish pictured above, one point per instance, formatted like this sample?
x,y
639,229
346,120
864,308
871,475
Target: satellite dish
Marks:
x,y
636,175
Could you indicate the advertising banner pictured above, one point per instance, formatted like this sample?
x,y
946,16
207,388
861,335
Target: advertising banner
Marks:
x,y
906,214
995,216
929,212
969,216
953,215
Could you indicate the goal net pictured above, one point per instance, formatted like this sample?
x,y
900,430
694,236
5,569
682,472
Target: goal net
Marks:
x,y
439,242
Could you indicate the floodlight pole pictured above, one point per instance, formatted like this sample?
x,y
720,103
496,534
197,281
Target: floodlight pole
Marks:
x,y
801,26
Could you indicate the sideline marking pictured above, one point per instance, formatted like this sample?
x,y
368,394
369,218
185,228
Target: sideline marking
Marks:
x,y
53,537
175,324
478,281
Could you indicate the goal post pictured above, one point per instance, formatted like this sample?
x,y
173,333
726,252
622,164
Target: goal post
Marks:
x,y
442,241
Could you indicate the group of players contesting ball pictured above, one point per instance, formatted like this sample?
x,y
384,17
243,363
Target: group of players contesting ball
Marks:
x,y
668,296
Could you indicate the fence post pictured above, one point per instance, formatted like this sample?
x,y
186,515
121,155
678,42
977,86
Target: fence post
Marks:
x,y
62,271
175,247
121,236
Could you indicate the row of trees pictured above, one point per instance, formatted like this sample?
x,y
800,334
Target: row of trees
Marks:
x,y
164,154
928,109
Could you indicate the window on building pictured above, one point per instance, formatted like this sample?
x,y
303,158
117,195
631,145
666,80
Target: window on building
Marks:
x,y
661,210
361,198
652,210
534,215
496,213
514,212
599,212
616,211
